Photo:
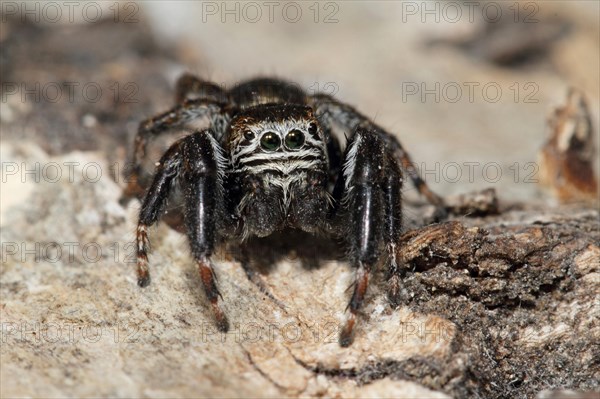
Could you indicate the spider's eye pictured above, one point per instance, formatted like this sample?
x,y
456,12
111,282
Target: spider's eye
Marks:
x,y
294,139
312,129
270,141
248,135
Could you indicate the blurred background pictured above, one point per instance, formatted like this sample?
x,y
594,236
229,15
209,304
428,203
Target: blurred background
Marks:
x,y
466,86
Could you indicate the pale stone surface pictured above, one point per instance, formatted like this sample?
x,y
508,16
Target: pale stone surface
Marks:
x,y
74,322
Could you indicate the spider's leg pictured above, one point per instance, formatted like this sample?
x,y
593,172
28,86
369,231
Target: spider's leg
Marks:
x,y
254,277
333,111
202,179
334,154
154,204
371,194
177,117
190,87
393,226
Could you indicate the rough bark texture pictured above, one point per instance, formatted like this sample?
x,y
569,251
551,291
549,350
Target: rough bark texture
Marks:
x,y
492,306
522,291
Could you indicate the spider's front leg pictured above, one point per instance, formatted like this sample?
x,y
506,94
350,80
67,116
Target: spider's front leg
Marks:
x,y
334,112
154,204
371,213
198,162
178,117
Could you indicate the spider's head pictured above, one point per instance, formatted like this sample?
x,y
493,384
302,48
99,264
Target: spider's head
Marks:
x,y
274,128
280,153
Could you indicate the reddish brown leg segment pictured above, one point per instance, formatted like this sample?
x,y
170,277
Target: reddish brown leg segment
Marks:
x,y
142,255
207,275
360,289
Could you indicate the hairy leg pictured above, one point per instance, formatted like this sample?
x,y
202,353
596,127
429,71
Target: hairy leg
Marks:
x,y
178,117
334,112
371,193
197,161
202,175
153,205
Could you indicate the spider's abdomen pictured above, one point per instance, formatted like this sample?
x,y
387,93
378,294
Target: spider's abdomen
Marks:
x,y
266,91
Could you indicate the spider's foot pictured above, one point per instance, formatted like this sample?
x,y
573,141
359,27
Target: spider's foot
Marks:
x,y
394,291
220,318
142,255
347,333
144,280
212,293
360,289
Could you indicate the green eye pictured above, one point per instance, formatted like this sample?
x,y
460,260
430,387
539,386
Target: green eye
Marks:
x,y
294,139
270,141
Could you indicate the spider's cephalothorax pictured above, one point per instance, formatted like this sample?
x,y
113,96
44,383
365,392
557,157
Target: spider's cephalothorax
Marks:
x,y
269,162
279,162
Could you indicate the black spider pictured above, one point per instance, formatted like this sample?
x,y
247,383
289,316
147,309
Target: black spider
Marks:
x,y
269,162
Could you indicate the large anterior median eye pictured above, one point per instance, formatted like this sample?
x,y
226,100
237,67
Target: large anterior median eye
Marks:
x,y
294,139
270,141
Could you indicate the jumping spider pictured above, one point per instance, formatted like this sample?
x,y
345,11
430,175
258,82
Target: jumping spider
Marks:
x,y
268,162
